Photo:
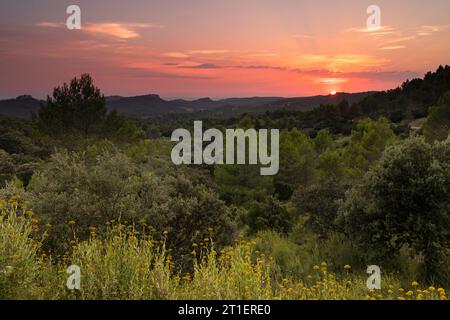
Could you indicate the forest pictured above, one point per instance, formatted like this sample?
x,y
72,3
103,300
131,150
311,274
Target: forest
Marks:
x,y
359,184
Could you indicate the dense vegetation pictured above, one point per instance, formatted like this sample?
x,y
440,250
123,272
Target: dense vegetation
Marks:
x,y
360,184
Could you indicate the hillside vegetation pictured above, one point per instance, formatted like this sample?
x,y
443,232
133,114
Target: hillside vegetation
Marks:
x,y
84,185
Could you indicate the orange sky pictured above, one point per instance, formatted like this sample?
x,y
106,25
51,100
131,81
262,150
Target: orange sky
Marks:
x,y
198,48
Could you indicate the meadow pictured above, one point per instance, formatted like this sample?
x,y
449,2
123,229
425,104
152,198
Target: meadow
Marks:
x,y
128,264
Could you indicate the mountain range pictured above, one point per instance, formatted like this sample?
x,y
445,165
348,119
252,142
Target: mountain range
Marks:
x,y
153,105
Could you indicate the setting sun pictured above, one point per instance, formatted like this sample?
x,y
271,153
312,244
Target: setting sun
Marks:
x,y
333,93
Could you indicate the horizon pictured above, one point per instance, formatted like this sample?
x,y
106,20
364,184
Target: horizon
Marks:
x,y
197,98
196,49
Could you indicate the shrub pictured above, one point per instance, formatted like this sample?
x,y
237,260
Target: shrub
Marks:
x,y
404,200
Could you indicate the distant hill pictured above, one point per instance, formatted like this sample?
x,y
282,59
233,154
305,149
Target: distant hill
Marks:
x,y
141,106
408,102
293,104
153,105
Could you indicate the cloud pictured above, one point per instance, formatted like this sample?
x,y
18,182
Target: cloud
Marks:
x,y
302,36
201,66
118,30
393,48
260,67
330,81
146,73
340,62
46,24
401,39
207,52
398,76
177,55
264,55
382,31
424,31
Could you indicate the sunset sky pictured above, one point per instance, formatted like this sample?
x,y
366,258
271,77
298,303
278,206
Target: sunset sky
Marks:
x,y
220,48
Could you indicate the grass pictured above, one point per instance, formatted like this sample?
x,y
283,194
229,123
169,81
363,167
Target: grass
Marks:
x,y
129,265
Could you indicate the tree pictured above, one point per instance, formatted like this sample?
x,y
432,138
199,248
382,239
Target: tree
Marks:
x,y
297,163
367,144
120,128
403,200
97,186
190,212
319,203
240,184
269,214
437,126
78,106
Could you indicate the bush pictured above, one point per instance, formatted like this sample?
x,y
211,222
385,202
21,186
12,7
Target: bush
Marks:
x,y
129,264
404,200
7,169
268,215
76,191
24,273
319,203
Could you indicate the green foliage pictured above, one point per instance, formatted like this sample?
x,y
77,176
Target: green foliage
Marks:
x,y
189,212
130,264
411,100
87,190
23,271
123,266
7,169
289,257
78,106
96,186
120,128
437,126
269,214
330,165
367,144
404,200
324,141
396,215
240,184
297,163
319,203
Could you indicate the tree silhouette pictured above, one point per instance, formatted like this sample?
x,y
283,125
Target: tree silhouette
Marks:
x,y
75,107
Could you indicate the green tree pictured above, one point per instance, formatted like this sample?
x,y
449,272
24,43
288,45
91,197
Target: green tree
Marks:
x,y
269,214
120,128
319,204
239,184
367,143
78,106
403,200
324,141
437,126
297,163
99,185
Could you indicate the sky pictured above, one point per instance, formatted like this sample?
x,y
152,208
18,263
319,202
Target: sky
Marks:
x,y
220,48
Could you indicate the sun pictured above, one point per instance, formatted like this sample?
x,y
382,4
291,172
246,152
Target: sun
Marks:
x,y
333,93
